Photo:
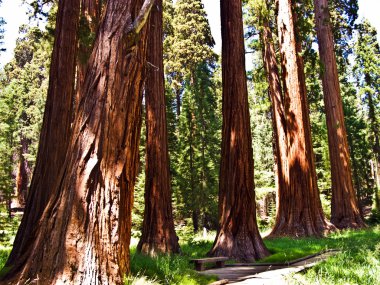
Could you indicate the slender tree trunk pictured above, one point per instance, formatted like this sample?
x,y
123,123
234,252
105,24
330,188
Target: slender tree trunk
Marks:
x,y
238,236
55,132
158,234
23,172
83,235
344,206
194,204
278,113
299,209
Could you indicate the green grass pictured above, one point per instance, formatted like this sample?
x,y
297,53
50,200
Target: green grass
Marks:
x,y
174,269
358,262
8,229
287,249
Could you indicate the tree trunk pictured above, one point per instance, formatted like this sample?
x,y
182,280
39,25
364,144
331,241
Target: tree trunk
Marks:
x,y
238,236
83,235
158,234
55,132
23,173
278,112
90,13
299,209
344,206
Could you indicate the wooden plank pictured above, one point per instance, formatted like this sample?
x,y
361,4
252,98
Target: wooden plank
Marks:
x,y
209,259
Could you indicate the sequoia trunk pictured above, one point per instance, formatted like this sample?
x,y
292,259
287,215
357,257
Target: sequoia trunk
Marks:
x,y
344,206
299,211
158,234
83,235
278,112
55,130
90,13
238,236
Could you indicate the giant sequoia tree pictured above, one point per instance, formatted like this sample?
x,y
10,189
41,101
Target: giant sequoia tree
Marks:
x,y
299,210
158,235
55,132
238,236
83,234
344,207
277,99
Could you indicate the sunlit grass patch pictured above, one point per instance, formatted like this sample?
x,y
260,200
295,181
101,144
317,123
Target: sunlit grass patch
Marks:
x,y
169,269
357,263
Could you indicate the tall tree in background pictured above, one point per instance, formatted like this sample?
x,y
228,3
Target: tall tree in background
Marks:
x,y
238,236
190,65
55,132
299,210
191,43
158,234
344,206
277,100
83,235
367,72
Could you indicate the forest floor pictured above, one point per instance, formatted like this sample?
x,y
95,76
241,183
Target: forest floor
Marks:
x,y
358,261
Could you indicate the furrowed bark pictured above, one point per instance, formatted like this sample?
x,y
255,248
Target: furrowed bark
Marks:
x,y
55,132
344,205
238,236
299,209
158,234
84,233
278,112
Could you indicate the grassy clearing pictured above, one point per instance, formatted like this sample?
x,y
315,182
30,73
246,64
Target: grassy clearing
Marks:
x,y
175,269
358,263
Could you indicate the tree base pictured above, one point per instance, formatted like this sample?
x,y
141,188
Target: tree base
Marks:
x,y
286,229
244,246
156,248
349,223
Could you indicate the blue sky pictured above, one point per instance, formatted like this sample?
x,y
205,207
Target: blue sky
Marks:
x,y
15,14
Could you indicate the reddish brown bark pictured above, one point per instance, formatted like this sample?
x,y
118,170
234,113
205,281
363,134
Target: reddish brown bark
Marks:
x,y
238,236
344,206
278,112
299,211
90,13
158,234
55,130
83,235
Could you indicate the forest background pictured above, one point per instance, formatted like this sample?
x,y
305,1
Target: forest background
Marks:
x,y
194,111
20,132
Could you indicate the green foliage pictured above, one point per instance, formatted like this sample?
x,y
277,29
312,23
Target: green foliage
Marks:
x,y
24,84
367,73
194,117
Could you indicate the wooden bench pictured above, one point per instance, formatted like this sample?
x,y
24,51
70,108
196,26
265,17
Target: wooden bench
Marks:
x,y
199,263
